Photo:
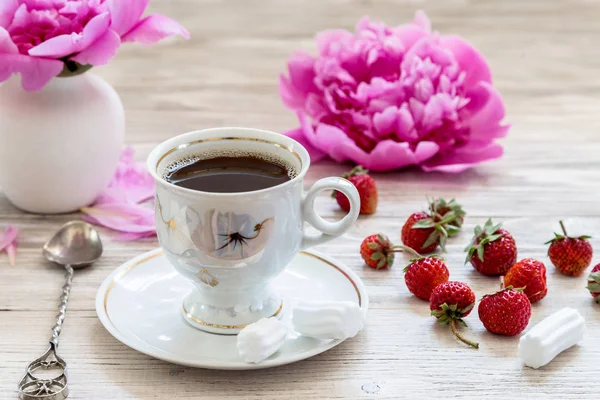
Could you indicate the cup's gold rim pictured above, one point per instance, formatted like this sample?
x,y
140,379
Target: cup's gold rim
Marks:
x,y
223,134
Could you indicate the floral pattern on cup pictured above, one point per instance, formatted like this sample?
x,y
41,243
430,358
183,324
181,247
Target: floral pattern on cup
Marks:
x,y
228,235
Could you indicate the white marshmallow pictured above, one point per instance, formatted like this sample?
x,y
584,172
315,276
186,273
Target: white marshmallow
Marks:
x,y
328,319
551,336
261,339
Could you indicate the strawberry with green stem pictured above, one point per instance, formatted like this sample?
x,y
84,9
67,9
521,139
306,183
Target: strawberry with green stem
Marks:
x,y
425,231
570,255
378,252
492,250
450,302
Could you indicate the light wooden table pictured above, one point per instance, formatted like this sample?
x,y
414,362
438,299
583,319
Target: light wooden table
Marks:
x,y
546,64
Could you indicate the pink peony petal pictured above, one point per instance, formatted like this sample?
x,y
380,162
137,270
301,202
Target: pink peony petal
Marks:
x,y
290,96
302,72
64,45
11,251
154,28
7,46
485,123
131,183
470,60
405,128
35,72
330,42
299,136
7,12
9,237
338,145
390,155
123,217
422,21
101,52
410,34
385,122
125,14
463,159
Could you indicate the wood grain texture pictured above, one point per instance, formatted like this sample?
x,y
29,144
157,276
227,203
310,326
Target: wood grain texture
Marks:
x,y
544,59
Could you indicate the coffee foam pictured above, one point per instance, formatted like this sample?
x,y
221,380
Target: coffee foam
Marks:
x,y
207,155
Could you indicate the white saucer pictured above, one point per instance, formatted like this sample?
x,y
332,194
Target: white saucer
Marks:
x,y
139,304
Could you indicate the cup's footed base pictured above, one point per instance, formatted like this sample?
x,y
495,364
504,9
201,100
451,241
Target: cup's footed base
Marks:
x,y
228,320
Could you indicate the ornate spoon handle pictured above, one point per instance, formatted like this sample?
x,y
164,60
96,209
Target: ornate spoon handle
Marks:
x,y
32,387
62,307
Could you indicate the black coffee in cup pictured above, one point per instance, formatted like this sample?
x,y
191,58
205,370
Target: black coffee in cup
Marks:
x,y
225,174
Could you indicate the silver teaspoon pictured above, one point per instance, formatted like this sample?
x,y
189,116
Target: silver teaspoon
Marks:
x,y
75,245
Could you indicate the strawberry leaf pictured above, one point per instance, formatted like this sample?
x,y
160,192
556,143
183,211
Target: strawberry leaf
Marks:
x,y
493,237
433,238
594,276
381,263
453,230
467,308
376,256
373,245
480,252
390,260
424,224
594,287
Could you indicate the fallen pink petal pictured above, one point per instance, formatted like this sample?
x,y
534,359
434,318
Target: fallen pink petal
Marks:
x,y
123,207
8,243
131,182
122,217
393,97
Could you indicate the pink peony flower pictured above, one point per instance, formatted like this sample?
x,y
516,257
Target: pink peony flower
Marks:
x,y
121,206
41,39
388,98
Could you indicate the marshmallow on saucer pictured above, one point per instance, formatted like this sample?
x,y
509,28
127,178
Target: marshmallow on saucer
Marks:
x,y
328,319
261,339
550,337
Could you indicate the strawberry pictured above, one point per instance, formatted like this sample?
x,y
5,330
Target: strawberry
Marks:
x,y
378,252
594,283
367,190
492,250
424,231
529,274
423,274
571,255
450,302
506,312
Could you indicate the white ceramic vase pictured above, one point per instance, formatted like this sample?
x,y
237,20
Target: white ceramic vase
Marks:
x,y
59,147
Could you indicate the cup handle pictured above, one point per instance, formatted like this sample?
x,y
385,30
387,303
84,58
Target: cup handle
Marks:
x,y
329,230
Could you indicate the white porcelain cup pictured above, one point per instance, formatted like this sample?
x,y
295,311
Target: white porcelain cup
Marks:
x,y
232,245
